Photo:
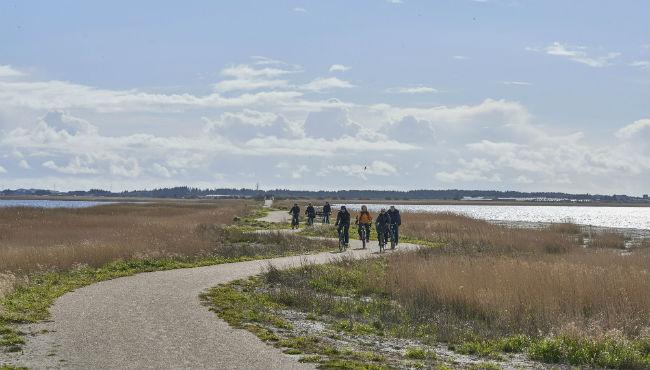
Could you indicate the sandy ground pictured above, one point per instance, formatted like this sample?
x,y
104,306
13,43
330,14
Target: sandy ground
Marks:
x,y
156,320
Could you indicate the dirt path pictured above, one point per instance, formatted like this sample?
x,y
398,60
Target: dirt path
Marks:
x,y
156,320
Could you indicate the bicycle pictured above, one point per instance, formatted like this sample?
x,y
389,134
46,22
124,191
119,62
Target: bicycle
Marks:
x,y
363,235
295,222
381,236
393,236
310,221
342,245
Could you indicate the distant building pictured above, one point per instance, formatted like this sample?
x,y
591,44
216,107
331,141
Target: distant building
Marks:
x,y
645,196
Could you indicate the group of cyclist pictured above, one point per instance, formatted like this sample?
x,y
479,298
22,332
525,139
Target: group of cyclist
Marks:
x,y
387,223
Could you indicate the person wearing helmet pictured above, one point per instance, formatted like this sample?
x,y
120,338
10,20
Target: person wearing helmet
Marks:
x,y
382,224
395,222
343,224
364,220
295,216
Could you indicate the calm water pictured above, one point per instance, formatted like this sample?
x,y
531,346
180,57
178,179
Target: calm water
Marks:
x,y
617,217
43,203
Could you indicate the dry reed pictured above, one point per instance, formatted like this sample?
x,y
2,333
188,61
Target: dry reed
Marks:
x,y
35,239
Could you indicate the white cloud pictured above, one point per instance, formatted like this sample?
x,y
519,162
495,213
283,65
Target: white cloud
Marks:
x,y
475,170
8,71
300,10
24,165
516,83
409,129
161,170
77,166
326,83
643,64
249,124
460,57
411,90
577,54
2,170
634,129
339,68
395,1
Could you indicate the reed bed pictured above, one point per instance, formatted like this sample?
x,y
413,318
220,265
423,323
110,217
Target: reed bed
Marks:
x,y
34,239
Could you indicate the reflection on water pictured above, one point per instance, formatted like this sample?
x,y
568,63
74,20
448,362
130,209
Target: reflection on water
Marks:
x,y
616,217
46,203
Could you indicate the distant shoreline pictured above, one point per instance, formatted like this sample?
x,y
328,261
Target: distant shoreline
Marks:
x,y
334,200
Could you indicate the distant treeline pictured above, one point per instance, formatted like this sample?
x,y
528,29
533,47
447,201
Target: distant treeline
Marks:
x,y
451,194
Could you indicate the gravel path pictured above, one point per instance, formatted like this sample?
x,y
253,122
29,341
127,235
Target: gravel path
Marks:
x,y
156,320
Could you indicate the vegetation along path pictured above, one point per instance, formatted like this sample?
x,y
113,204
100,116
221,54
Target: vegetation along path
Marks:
x,y
156,320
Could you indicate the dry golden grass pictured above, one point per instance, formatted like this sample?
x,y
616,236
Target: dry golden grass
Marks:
x,y
607,239
468,234
492,280
34,239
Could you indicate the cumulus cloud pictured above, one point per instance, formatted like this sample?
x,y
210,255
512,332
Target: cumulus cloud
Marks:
x,y
409,129
8,71
2,170
411,90
577,54
248,124
326,83
339,68
330,124
300,10
635,129
77,166
259,114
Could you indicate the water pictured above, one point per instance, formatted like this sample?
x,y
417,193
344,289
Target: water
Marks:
x,y
614,217
47,203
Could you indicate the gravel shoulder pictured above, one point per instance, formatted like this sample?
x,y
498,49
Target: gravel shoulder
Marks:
x,y
156,320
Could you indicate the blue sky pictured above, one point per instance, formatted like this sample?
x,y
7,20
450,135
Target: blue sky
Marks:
x,y
494,94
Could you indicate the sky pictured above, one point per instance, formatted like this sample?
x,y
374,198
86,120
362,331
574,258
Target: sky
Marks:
x,y
368,94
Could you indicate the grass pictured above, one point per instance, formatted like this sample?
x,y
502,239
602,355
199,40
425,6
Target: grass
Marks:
x,y
490,290
37,239
30,299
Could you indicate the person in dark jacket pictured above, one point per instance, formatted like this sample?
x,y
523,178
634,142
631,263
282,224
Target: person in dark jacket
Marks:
x,y
343,224
295,216
382,225
311,214
395,222
327,211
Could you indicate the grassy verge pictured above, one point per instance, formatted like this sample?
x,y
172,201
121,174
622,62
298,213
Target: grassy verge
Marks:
x,y
30,302
353,299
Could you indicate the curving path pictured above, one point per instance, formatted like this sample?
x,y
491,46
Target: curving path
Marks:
x,y
156,320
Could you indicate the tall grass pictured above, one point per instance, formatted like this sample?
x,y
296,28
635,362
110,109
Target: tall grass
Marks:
x,y
597,291
33,239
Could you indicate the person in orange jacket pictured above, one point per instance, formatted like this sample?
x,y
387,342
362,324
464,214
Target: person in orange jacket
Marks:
x,y
364,220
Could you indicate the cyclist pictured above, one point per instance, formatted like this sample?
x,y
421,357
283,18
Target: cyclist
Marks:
x,y
395,222
343,224
295,216
311,214
364,220
382,224
327,210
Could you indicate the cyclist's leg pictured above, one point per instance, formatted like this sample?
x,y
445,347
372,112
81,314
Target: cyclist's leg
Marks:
x,y
367,226
396,232
346,229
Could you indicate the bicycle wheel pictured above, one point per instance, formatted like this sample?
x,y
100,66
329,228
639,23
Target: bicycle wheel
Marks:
x,y
362,234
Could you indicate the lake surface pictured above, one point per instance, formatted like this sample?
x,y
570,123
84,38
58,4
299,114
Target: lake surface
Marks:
x,y
616,217
47,203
